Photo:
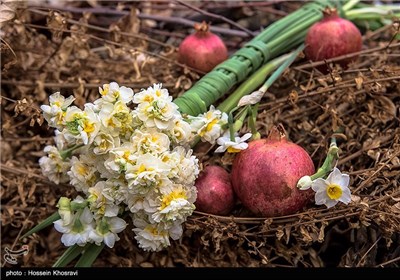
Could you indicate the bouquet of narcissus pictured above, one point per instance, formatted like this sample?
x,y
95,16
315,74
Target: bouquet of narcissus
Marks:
x,y
128,155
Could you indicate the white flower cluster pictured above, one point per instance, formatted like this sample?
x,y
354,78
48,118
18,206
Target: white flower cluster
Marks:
x,y
209,127
125,153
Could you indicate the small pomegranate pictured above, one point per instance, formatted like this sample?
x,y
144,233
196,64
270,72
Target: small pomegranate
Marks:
x,y
214,191
203,49
331,37
265,175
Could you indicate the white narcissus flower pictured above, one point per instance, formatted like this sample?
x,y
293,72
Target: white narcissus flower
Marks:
x,y
107,230
236,146
115,190
155,107
155,237
137,159
333,189
112,92
82,126
209,125
60,141
83,173
53,166
149,171
99,204
54,112
175,205
76,232
121,158
181,132
104,142
160,113
150,141
151,94
183,166
117,118
135,203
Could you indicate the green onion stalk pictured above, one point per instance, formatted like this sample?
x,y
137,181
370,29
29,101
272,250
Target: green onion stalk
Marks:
x,y
262,52
372,18
253,99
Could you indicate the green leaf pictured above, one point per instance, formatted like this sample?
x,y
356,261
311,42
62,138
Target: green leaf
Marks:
x,y
43,224
89,256
254,81
278,72
69,255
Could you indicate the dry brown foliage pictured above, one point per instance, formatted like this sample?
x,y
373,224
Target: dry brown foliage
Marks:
x,y
44,51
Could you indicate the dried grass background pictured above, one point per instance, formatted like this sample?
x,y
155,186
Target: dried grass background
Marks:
x,y
44,50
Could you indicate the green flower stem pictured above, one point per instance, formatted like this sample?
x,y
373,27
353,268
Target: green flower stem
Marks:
x,y
291,42
68,152
231,129
195,141
252,122
279,26
281,68
78,205
70,254
332,156
251,83
47,222
277,43
372,13
240,119
89,255
78,226
371,10
370,17
350,4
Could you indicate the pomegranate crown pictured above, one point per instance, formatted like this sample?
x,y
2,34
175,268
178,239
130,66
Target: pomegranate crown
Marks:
x,y
277,133
330,12
202,27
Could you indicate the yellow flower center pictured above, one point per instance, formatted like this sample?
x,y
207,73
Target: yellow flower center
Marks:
x,y
103,144
82,170
110,122
211,124
334,191
141,169
233,150
60,117
105,90
153,230
166,201
165,158
148,98
126,156
88,127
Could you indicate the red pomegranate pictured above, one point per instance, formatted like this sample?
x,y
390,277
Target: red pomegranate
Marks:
x,y
265,175
202,50
331,37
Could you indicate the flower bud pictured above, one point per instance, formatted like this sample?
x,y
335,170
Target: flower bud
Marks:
x,y
64,209
304,183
